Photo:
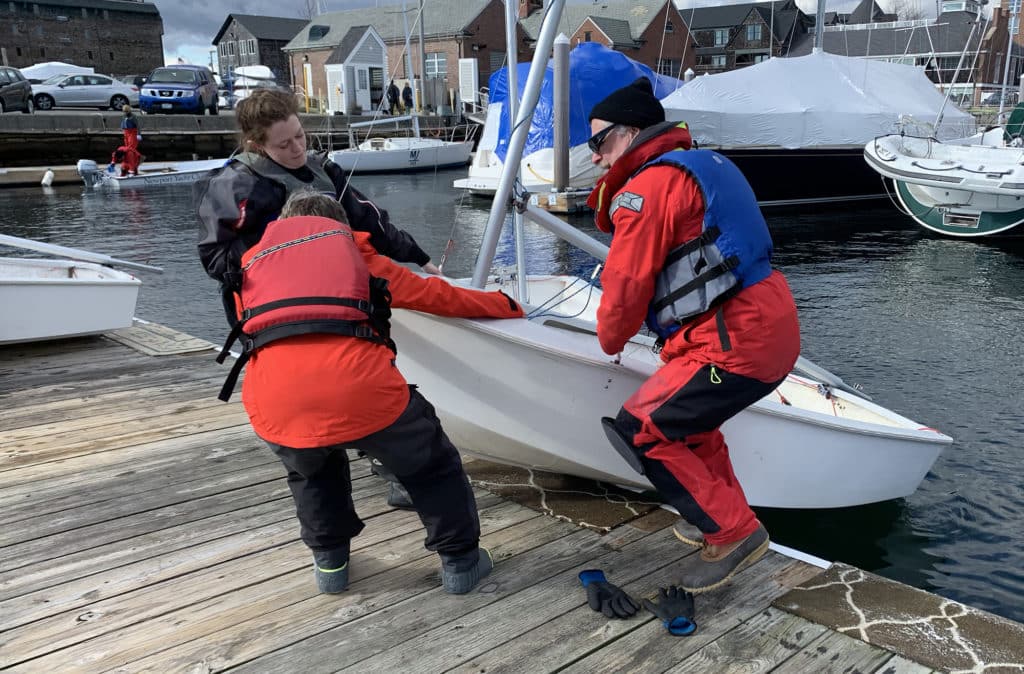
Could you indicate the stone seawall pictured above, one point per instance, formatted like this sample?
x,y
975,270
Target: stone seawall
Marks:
x,y
64,138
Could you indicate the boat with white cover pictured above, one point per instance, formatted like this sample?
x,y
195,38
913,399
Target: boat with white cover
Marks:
x,y
403,155
531,391
968,187
54,299
150,173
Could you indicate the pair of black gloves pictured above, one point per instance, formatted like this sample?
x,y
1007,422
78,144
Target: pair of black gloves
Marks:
x,y
674,605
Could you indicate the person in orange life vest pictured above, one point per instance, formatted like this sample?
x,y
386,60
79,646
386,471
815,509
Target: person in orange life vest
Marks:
x,y
129,159
690,255
312,396
130,129
236,202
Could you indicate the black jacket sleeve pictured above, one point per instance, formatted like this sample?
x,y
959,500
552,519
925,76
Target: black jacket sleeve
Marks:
x,y
233,207
366,216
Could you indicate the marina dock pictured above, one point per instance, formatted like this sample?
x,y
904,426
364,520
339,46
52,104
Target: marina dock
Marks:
x,y
146,528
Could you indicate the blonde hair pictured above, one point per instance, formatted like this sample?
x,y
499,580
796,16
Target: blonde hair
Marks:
x,y
260,110
311,202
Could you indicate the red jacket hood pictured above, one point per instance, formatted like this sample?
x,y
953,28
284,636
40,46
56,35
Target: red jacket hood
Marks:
x,y
650,143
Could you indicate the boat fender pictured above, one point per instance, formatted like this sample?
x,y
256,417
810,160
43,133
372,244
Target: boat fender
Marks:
x,y
622,445
47,178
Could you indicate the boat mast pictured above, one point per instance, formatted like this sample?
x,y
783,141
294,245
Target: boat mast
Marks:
x,y
819,28
408,65
531,93
1014,9
512,59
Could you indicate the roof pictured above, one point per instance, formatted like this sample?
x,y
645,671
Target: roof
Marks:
x,y
637,14
444,18
348,44
781,23
617,30
264,27
728,16
111,5
948,34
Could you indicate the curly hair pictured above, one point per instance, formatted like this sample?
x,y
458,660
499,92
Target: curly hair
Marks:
x,y
260,110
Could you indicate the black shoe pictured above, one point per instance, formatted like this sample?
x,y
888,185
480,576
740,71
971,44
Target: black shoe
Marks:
x,y
330,568
460,575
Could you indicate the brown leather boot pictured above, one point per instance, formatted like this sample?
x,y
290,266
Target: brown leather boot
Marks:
x,y
716,564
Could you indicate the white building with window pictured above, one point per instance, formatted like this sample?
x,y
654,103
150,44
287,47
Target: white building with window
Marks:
x,y
355,72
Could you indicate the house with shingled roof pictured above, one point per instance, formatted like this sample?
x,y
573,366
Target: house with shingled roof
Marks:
x,y
250,40
452,30
734,36
652,32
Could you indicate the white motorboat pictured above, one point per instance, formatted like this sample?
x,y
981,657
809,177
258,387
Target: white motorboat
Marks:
x,y
398,155
53,299
530,392
968,187
150,173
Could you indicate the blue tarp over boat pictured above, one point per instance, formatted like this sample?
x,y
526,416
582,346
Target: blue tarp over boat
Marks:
x,y
594,72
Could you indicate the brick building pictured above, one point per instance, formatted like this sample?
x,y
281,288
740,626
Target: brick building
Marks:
x,y
652,32
116,37
248,40
452,30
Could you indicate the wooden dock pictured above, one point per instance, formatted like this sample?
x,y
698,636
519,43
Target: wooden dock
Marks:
x,y
145,528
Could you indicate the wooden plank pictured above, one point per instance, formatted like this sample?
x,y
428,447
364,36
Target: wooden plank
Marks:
x,y
105,485
650,558
718,611
115,510
218,644
393,626
29,481
758,644
199,604
96,560
181,385
285,555
114,436
835,653
45,549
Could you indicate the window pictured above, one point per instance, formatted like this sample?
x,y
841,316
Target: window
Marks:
x,y
437,64
587,35
758,58
42,51
754,32
718,61
5,77
111,55
99,81
231,48
223,48
668,67
252,47
721,36
19,50
669,27
90,54
364,84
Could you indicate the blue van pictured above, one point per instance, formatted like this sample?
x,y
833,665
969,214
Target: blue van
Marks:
x,y
181,88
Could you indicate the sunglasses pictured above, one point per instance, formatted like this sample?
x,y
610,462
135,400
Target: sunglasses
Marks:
x,y
597,140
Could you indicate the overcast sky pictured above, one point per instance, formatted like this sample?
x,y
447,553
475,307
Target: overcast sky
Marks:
x,y
190,25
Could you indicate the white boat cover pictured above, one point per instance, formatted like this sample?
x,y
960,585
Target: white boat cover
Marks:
x,y
43,71
815,100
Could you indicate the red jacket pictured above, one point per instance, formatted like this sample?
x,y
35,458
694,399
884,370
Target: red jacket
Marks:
x,y
761,320
320,390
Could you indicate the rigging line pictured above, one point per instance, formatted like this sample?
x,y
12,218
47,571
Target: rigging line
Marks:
x,y
379,110
686,45
661,48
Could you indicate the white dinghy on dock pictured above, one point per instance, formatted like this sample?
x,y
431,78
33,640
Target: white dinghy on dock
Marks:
x,y
55,299
150,173
530,392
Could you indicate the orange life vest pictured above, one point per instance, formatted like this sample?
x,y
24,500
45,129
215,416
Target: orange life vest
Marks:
x,y
306,275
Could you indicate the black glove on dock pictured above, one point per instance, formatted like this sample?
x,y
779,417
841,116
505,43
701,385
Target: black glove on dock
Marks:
x,y
605,597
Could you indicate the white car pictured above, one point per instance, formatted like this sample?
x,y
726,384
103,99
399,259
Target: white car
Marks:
x,y
84,91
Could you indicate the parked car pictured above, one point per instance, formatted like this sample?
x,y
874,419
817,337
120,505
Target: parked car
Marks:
x,y
84,91
134,80
15,91
182,88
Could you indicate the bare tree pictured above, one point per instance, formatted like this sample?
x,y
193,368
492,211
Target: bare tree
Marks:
x,y
908,10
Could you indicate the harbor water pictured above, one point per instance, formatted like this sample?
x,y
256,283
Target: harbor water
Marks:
x,y
931,328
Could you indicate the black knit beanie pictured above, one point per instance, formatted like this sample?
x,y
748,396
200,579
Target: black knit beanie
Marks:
x,y
632,105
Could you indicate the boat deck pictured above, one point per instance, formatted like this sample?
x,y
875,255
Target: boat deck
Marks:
x,y
147,529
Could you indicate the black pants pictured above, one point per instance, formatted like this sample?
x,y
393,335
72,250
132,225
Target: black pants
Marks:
x,y
416,450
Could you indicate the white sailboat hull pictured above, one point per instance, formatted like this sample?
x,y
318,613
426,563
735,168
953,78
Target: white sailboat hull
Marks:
x,y
54,299
394,155
524,393
150,174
